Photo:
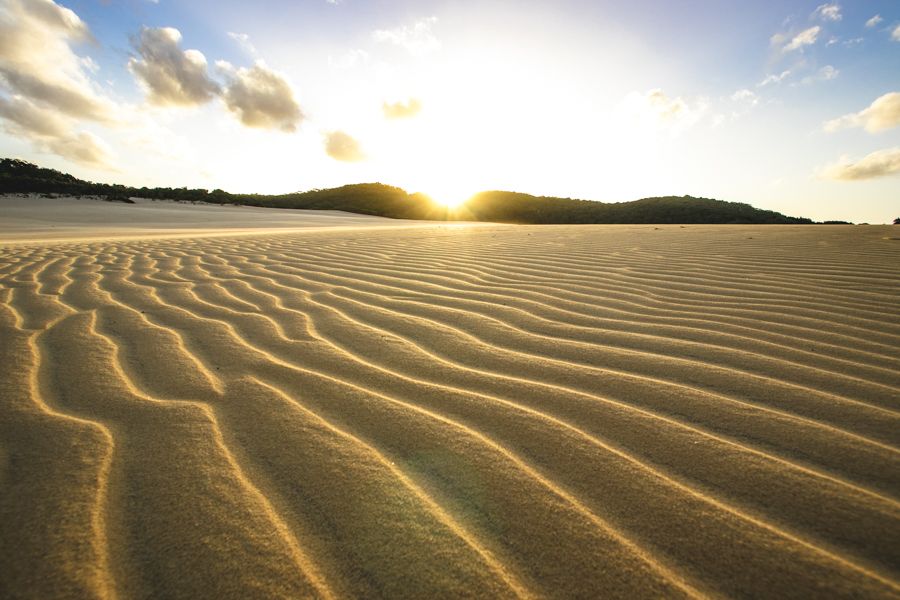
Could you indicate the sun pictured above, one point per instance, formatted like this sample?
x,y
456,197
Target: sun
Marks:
x,y
450,194
449,201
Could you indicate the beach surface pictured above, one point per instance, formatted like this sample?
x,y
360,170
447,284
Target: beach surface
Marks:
x,y
226,402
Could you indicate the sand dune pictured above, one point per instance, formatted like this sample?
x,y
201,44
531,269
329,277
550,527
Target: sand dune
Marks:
x,y
382,411
35,218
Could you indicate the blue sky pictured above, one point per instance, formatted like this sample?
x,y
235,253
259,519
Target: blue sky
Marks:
x,y
792,106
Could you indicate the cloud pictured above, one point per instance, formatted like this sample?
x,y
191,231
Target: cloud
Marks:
x,y
807,37
882,163
663,112
82,147
343,147
32,120
172,77
401,110
774,79
895,34
52,132
45,87
745,96
244,42
826,73
57,17
37,61
874,21
417,39
262,98
258,96
349,59
881,115
828,12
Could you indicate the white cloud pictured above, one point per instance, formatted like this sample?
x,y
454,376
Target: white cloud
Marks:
x,y
37,61
826,73
882,163
874,21
262,98
83,147
745,96
401,110
171,77
881,115
45,87
349,59
770,79
343,147
895,34
828,12
244,42
417,39
32,120
654,108
807,37
52,132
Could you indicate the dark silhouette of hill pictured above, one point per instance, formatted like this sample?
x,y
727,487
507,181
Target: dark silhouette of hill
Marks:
x,y
18,176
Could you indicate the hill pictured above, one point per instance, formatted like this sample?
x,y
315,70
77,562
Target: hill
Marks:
x,y
18,176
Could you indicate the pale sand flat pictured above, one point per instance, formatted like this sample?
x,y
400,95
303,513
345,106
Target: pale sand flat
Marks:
x,y
331,405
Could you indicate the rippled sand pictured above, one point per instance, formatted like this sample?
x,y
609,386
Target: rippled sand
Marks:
x,y
547,411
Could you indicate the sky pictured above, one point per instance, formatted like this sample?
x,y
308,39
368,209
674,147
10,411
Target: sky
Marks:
x,y
787,105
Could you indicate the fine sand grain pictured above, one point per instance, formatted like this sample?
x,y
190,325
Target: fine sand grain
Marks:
x,y
387,410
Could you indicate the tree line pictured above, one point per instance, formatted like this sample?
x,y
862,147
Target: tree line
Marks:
x,y
18,176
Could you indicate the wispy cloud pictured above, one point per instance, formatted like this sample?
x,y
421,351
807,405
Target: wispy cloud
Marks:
x,y
745,96
881,115
244,42
826,73
874,21
660,111
882,163
828,12
418,39
772,79
807,37
349,59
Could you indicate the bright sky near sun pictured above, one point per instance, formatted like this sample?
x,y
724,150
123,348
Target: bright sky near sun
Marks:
x,y
787,105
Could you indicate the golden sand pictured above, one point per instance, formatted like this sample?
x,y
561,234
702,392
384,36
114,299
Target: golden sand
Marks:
x,y
379,410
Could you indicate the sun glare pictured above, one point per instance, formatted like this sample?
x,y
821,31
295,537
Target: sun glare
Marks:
x,y
450,200
450,194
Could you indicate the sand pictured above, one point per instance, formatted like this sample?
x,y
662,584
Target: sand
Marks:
x,y
35,218
355,407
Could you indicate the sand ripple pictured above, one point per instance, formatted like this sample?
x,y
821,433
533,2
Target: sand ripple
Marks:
x,y
571,412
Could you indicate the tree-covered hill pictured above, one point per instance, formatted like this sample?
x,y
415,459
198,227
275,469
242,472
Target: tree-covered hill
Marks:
x,y
17,176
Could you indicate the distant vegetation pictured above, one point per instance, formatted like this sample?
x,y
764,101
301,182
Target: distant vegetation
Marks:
x,y
17,176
